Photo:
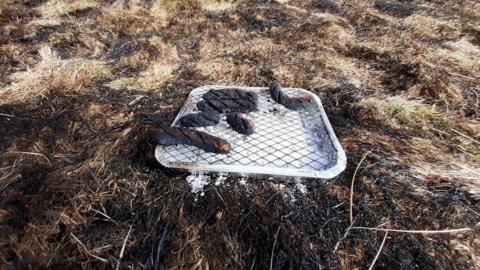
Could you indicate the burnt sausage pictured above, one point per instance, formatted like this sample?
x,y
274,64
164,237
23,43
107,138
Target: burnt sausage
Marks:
x,y
240,124
200,119
292,103
205,141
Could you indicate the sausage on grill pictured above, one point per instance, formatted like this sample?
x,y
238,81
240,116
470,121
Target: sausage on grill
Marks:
x,y
205,141
228,100
230,93
240,124
200,119
292,103
227,105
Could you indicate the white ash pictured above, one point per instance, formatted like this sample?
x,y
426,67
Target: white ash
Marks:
x,y
221,179
242,181
197,182
301,187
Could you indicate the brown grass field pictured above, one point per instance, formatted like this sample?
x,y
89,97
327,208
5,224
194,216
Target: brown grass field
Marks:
x,y
80,187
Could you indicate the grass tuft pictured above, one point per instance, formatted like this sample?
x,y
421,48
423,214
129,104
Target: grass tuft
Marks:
x,y
216,5
56,8
54,75
431,28
81,35
173,5
401,112
135,19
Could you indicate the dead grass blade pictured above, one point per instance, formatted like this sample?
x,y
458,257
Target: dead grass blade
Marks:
x,y
378,252
273,248
353,182
31,153
154,261
446,231
123,247
465,136
86,250
337,245
103,214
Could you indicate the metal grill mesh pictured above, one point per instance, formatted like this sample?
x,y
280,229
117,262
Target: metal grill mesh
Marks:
x,y
283,139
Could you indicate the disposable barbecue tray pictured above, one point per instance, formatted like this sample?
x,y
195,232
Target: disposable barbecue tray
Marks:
x,y
285,143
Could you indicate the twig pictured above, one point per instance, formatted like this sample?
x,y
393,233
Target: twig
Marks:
x,y
273,248
337,245
416,231
7,115
465,136
6,177
4,168
136,100
253,263
440,131
101,248
86,250
165,106
460,75
103,214
353,182
463,150
220,196
471,209
378,252
30,153
123,248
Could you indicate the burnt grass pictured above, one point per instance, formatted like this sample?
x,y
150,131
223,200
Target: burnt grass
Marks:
x,y
79,180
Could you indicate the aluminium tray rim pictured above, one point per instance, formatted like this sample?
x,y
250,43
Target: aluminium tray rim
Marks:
x,y
335,170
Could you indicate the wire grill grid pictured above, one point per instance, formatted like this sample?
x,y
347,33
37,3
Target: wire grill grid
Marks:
x,y
285,142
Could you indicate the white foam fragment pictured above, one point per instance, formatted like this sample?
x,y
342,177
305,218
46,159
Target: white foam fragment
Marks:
x,y
197,182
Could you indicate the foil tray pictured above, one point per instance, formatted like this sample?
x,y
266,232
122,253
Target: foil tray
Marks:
x,y
285,143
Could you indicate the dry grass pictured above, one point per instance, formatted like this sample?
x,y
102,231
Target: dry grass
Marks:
x,y
56,8
216,5
461,56
87,40
54,75
458,174
224,71
156,75
466,145
424,27
173,5
439,86
132,20
10,9
152,78
5,7
157,69
400,112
